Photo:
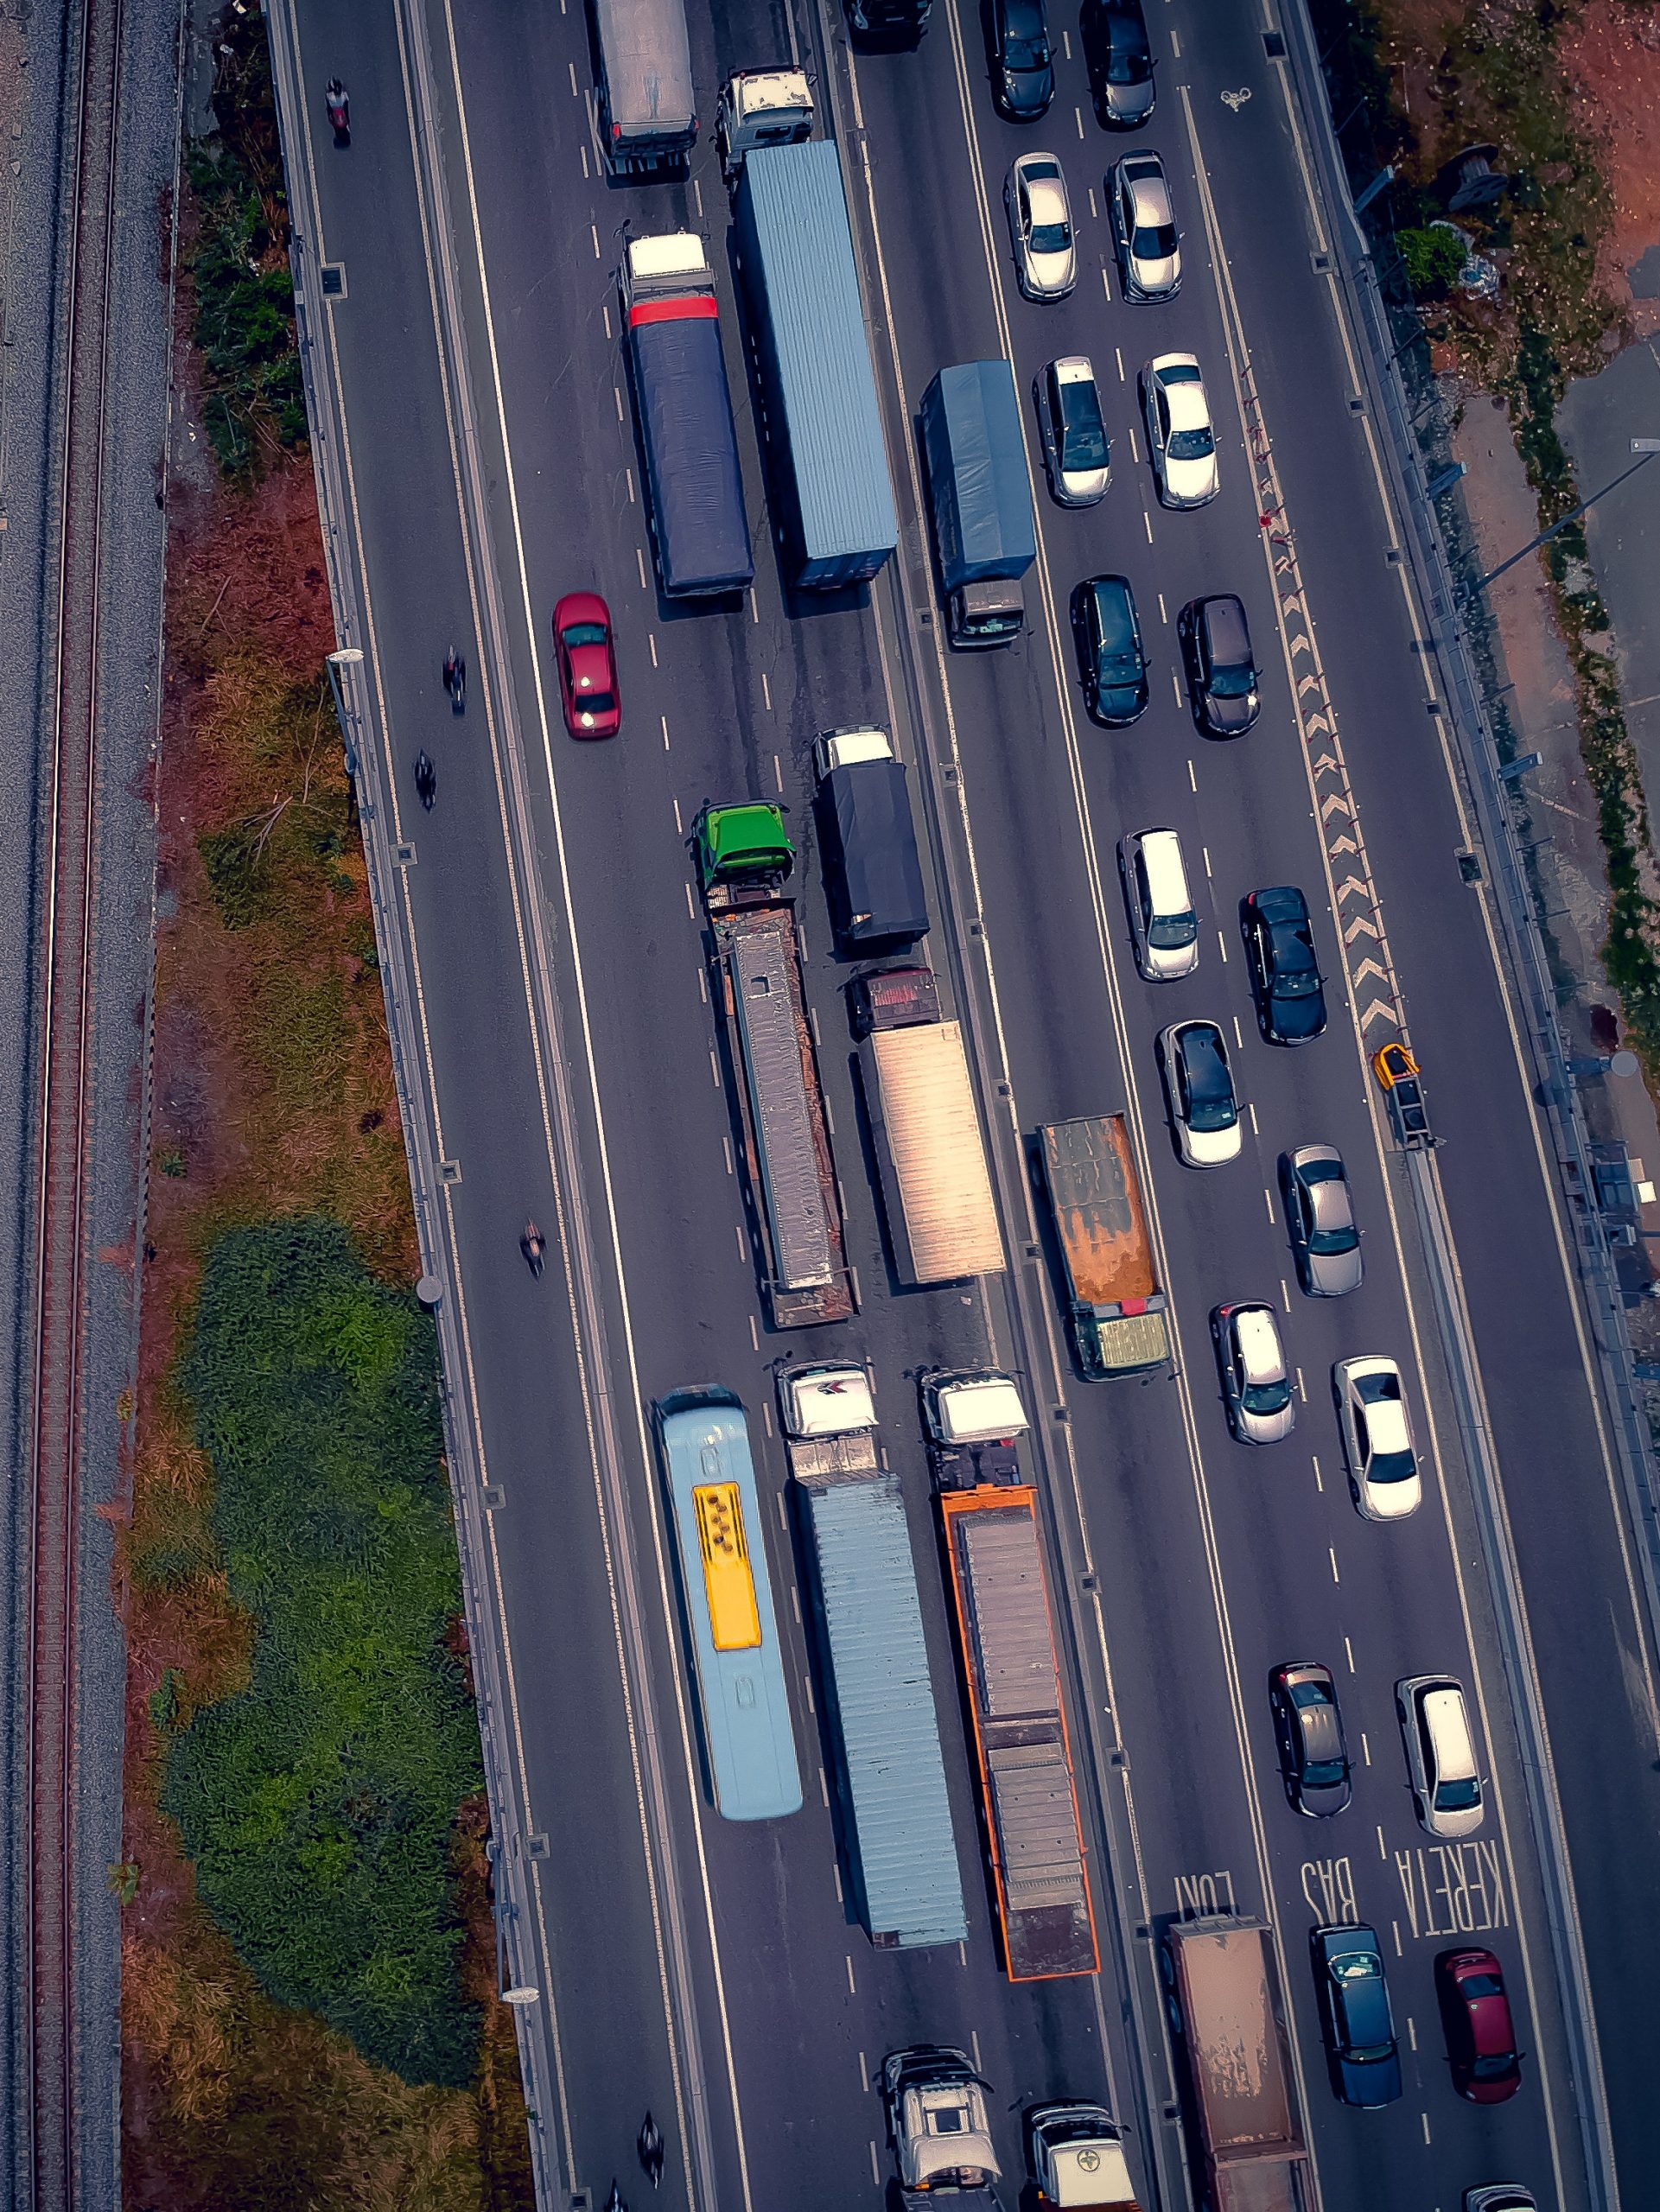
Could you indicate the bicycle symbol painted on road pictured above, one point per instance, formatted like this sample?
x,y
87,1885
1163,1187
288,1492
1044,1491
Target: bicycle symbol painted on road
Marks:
x,y
1236,100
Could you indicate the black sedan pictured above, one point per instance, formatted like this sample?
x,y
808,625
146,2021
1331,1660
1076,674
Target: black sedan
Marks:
x,y
1119,59
1285,977
1355,2015
1112,658
1308,1727
1022,66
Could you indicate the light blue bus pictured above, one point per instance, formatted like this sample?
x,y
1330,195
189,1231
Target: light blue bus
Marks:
x,y
704,1440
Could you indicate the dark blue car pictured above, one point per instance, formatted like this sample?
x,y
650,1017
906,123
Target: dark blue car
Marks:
x,y
1285,977
1023,65
1355,2016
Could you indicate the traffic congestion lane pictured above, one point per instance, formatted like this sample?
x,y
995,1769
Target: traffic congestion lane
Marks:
x,y
662,1250
1302,795
1573,1538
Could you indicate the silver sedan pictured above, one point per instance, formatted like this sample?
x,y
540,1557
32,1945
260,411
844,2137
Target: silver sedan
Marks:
x,y
1040,227
1320,1220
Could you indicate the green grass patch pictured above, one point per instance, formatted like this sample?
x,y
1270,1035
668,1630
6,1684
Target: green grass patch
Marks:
x,y
319,1804
1433,258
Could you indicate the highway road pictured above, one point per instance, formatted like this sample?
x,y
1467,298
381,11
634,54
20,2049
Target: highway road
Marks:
x,y
567,1052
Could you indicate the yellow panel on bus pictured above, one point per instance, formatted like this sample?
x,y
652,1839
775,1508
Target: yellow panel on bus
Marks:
x,y
733,1622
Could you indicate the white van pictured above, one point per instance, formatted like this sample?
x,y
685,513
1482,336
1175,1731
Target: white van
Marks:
x,y
1162,922
1440,1751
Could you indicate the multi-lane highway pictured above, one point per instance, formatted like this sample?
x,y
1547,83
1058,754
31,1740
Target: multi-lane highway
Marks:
x,y
482,458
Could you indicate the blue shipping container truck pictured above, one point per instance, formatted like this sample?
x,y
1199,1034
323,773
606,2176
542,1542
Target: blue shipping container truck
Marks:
x,y
981,500
893,1773
835,496
696,485
705,1440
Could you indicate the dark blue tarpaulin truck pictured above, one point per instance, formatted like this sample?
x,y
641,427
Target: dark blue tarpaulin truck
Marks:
x,y
981,500
694,483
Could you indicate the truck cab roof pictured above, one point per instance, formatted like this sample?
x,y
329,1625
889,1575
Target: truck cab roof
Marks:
x,y
1078,2159
825,1400
973,1408
846,749
670,253
753,94
743,840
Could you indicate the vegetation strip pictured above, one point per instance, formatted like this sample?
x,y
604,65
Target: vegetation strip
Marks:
x,y
310,2013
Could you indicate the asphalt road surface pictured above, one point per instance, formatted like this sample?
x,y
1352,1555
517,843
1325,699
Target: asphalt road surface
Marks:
x,y
710,1973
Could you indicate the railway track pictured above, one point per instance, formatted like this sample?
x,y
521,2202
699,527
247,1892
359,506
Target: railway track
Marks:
x,y
48,2168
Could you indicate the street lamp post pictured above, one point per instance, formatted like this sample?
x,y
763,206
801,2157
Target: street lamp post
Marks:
x,y
1644,448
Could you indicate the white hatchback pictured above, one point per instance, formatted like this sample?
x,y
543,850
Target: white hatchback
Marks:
x,y
1199,1087
1040,227
1371,1410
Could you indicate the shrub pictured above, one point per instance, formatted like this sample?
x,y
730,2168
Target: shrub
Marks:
x,y
1433,258
239,872
319,1804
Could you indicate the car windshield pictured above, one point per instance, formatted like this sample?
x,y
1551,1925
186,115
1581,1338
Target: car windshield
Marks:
x,y
1494,2069
1191,445
1233,683
1169,932
1463,1797
1050,237
1324,1774
1153,242
1391,1467
1267,1397
583,633
595,703
1029,50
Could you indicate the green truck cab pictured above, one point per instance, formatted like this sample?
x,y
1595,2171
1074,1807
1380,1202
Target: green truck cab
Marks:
x,y
744,855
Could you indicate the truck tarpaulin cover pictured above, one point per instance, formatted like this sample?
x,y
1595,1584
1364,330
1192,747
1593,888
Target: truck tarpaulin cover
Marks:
x,y
972,429
691,442
875,883
647,66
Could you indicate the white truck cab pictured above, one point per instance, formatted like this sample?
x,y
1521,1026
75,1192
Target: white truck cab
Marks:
x,y
761,107
1077,2159
963,1407
845,748
828,1418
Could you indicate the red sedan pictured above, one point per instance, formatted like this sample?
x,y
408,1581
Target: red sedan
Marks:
x,y
1481,2033
587,668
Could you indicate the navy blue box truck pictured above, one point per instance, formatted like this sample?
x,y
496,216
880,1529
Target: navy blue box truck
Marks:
x,y
694,482
981,500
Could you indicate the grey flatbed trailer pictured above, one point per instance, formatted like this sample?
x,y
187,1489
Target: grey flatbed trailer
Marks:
x,y
791,1176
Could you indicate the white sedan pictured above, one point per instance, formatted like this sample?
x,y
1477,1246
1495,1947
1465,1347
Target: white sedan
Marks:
x,y
1181,443
1040,227
1371,1410
1198,1084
